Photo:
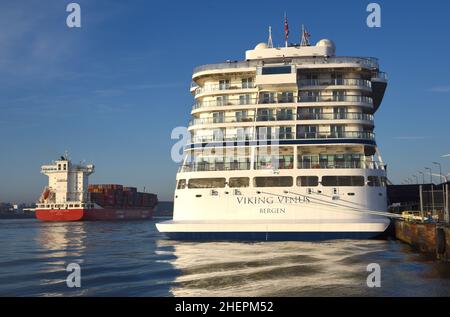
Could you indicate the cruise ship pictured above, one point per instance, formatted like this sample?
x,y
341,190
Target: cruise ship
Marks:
x,y
283,147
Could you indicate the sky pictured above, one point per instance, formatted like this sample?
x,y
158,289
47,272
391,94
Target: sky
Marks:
x,y
111,91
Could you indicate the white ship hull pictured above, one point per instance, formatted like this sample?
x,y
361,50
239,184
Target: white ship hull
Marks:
x,y
277,214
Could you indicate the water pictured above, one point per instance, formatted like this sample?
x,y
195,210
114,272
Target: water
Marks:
x,y
133,259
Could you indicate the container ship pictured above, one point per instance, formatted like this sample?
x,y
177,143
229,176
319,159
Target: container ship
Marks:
x,y
69,197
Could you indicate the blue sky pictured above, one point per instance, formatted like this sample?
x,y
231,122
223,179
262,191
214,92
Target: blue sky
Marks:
x,y
112,91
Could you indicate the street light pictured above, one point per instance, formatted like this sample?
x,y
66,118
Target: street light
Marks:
x,y
442,184
432,187
423,177
440,169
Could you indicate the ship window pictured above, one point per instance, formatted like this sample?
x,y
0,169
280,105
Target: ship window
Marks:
x,y
244,99
237,182
181,184
343,181
207,183
307,181
383,181
247,83
65,166
373,181
77,205
280,181
59,167
276,70
224,84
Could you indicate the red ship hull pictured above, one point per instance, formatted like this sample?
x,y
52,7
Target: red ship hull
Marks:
x,y
64,215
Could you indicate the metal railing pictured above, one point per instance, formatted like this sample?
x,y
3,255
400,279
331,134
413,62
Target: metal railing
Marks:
x,y
336,82
369,62
337,135
365,135
381,75
361,99
336,116
300,116
212,167
237,166
225,102
373,165
223,87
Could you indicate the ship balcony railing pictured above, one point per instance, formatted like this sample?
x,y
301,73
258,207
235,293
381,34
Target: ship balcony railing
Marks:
x,y
233,119
271,118
336,116
337,135
372,165
364,135
228,138
278,165
369,62
279,99
360,99
223,87
226,102
214,167
380,75
336,82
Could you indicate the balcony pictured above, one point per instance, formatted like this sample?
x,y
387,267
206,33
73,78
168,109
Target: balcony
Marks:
x,y
233,119
359,99
372,165
336,116
224,103
214,167
363,135
336,82
222,88
367,62
380,76
281,164
366,135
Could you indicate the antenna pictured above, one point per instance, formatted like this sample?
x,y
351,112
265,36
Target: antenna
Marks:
x,y
286,30
305,37
270,41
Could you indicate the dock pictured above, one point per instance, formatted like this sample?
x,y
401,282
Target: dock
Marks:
x,y
426,227
429,238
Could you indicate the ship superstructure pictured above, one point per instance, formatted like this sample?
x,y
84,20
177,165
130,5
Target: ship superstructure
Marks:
x,y
283,147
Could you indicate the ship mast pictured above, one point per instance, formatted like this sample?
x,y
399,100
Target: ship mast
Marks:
x,y
305,37
270,41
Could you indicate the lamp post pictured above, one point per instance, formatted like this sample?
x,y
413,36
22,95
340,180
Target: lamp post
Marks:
x,y
423,177
431,184
442,184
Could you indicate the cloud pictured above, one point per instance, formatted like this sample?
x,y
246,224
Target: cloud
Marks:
x,y
440,89
409,138
446,155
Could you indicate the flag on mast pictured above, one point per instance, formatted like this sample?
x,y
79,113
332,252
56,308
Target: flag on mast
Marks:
x,y
286,30
305,37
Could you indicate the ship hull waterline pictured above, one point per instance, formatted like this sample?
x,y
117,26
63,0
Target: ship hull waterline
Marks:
x,y
284,231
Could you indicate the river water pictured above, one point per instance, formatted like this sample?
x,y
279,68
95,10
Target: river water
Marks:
x,y
133,259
